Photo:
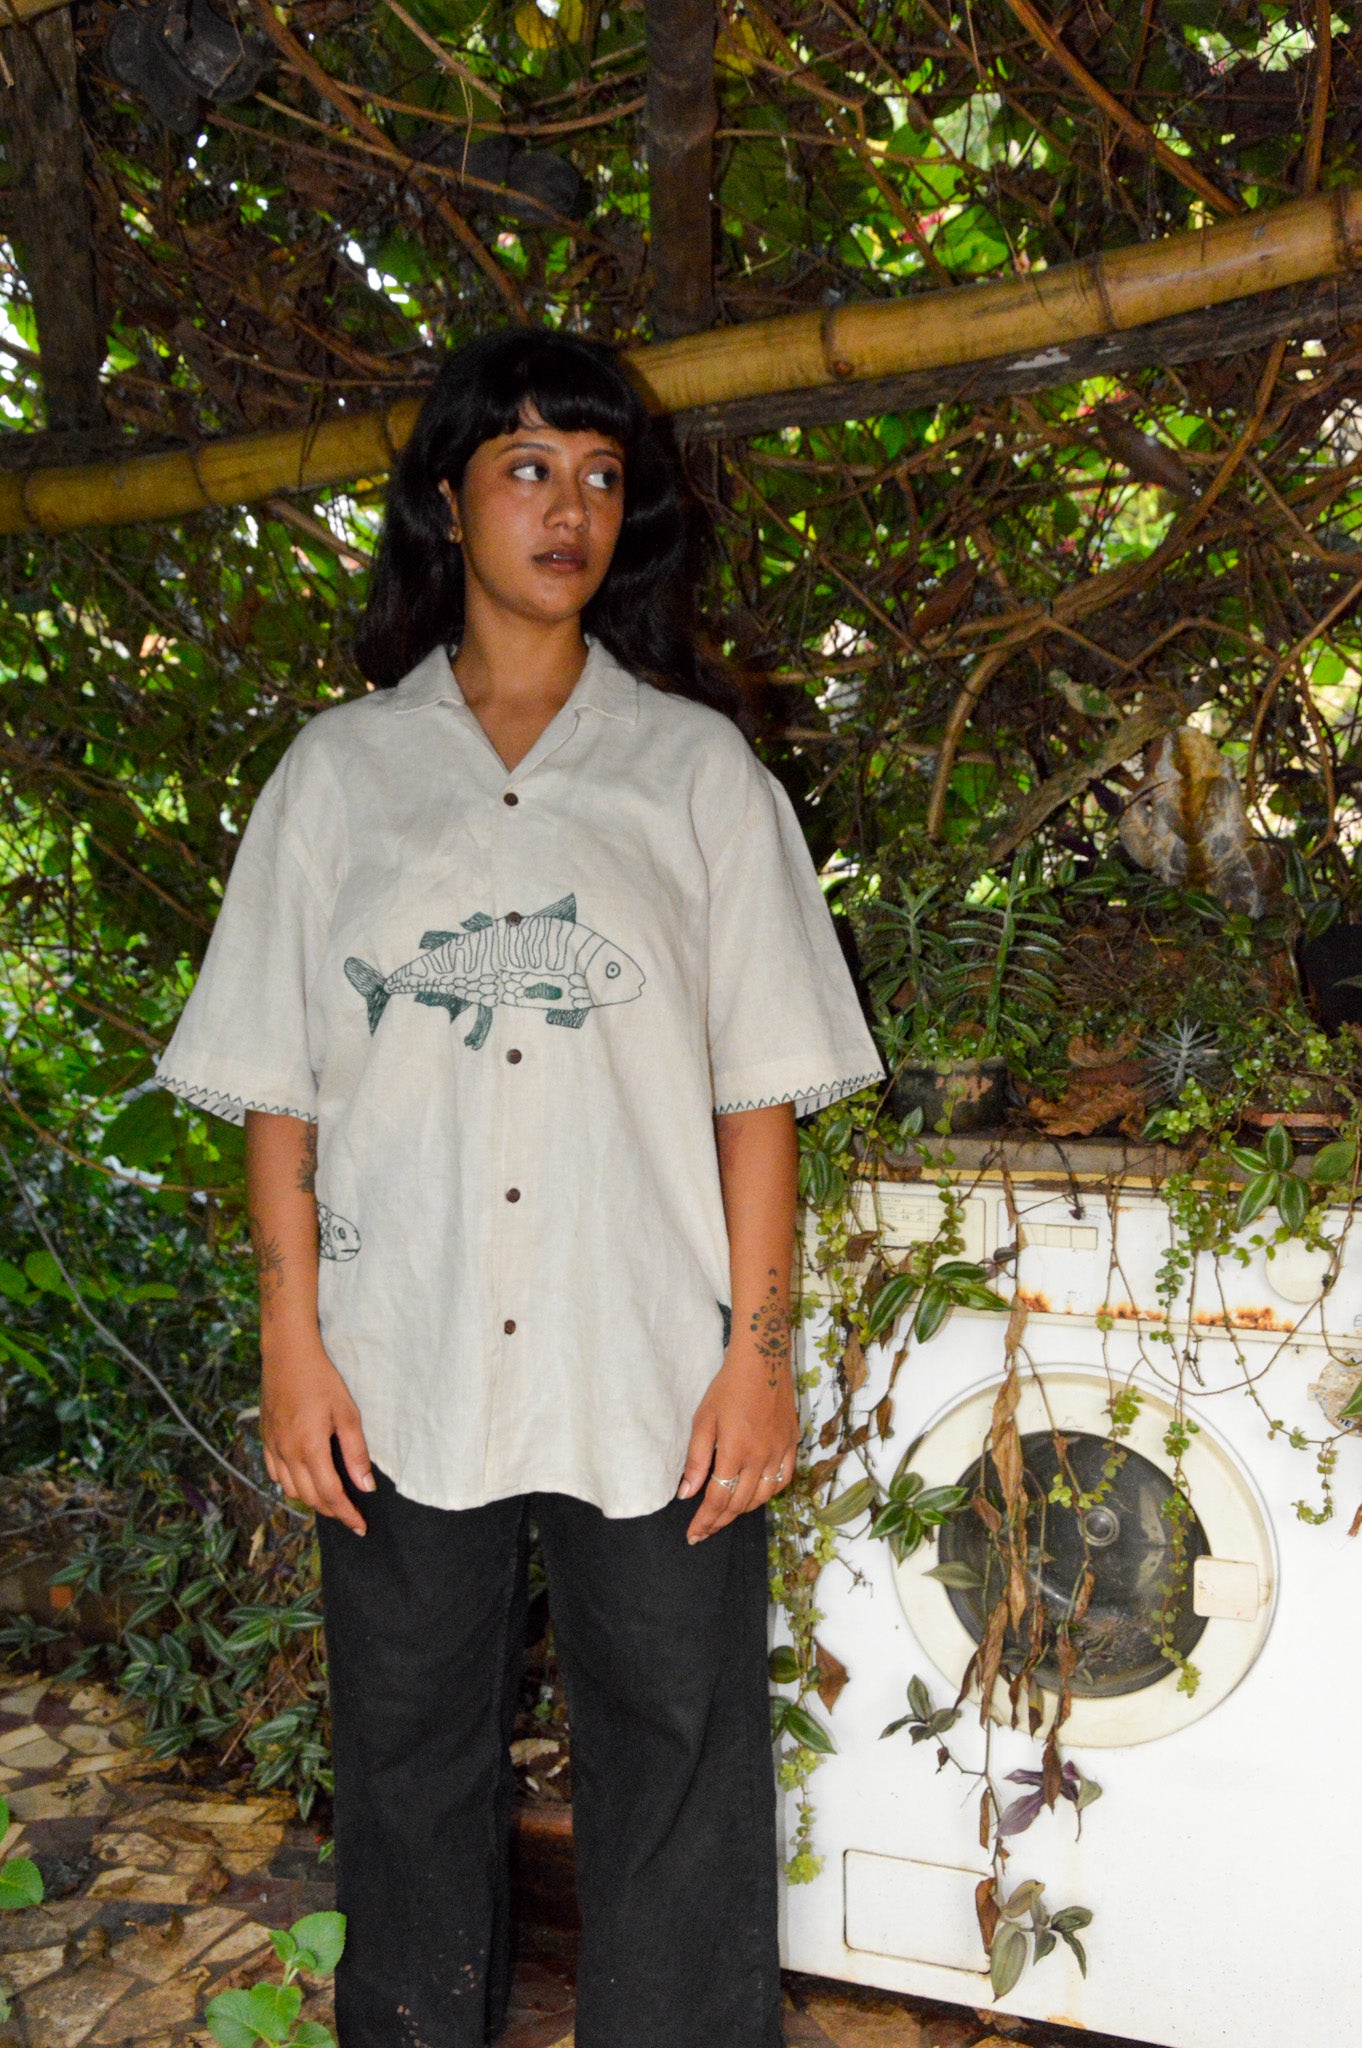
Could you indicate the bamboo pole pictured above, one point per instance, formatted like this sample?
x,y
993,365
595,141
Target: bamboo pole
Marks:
x,y
1305,240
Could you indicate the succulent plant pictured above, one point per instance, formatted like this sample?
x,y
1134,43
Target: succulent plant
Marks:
x,y
1180,1052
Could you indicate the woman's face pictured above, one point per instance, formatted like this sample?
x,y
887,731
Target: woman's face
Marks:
x,y
538,514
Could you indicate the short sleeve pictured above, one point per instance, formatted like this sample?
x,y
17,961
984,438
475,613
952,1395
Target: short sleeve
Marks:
x,y
785,1023
242,1038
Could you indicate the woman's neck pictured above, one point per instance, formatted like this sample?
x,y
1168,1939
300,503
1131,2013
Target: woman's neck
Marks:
x,y
521,666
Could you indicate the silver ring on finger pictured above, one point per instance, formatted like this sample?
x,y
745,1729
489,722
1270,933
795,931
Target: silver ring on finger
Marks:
x,y
773,1478
727,1484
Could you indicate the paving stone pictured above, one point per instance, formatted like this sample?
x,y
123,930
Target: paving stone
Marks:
x,y
866,2021
29,1749
156,1954
27,1966
245,1940
173,2004
23,1698
86,1739
65,2009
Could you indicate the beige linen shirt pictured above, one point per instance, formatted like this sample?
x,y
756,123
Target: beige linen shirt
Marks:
x,y
513,1003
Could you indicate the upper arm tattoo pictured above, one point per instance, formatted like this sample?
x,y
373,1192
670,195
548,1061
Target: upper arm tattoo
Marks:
x,y
307,1165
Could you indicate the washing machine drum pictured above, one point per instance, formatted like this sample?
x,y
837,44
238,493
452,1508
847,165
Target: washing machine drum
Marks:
x,y
1129,1536
1198,1580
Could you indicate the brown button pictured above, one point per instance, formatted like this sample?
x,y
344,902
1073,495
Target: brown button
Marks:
x,y
513,917
510,797
508,1325
513,1194
514,1055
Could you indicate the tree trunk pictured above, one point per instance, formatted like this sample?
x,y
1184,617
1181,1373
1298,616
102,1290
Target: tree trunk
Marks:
x,y
50,210
682,113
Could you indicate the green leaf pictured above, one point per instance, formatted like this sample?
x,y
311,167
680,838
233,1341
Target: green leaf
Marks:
x,y
919,1699
848,1505
227,2029
783,1665
13,1283
1045,1941
940,1501
266,2012
1351,1411
1257,1196
1007,1958
21,1884
890,1518
144,1133
283,1944
1251,1162
312,2034
1022,1900
932,1312
808,1732
960,1578
890,1303
46,1275
1070,1918
1277,1148
1293,1201
1330,1164
1080,1952
324,1934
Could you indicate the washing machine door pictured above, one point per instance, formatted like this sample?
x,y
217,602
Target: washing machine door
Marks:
x,y
1208,1587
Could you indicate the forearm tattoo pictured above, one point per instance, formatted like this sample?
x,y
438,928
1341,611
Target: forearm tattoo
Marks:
x,y
307,1165
269,1262
770,1327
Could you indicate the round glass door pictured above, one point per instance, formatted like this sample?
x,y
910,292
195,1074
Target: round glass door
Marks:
x,y
1120,1529
1213,1603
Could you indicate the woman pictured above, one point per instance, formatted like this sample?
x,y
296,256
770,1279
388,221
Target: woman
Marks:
x,y
521,977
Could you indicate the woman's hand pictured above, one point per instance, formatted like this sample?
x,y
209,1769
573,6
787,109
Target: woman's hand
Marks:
x,y
747,1426
303,1403
303,1399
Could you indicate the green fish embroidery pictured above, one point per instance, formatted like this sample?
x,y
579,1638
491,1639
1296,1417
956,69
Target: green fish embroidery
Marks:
x,y
545,962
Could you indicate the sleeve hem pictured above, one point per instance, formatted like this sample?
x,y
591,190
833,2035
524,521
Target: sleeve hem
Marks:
x,y
808,1097
232,1108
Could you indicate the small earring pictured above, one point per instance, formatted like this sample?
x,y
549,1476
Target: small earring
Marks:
x,y
455,535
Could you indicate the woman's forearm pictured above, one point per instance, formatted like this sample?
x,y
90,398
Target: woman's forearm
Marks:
x,y
281,1167
758,1171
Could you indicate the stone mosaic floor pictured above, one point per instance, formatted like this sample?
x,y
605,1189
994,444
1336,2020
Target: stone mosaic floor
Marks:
x,y
160,1895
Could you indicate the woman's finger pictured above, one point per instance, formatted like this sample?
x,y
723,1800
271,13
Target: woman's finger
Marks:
x,y
723,1504
700,1455
354,1450
327,1493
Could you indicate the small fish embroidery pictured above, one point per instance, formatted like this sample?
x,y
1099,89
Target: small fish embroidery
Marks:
x,y
545,962
337,1237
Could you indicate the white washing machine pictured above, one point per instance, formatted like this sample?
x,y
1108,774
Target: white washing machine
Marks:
x,y
1221,1862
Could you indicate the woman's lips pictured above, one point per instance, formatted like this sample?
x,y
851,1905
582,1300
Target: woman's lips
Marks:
x,y
562,562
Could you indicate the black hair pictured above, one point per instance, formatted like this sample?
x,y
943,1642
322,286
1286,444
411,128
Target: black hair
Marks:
x,y
642,612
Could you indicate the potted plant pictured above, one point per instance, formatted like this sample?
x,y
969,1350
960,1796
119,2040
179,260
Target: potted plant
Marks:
x,y
958,986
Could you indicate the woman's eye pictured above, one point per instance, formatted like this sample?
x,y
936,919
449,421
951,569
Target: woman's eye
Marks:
x,y
604,479
535,471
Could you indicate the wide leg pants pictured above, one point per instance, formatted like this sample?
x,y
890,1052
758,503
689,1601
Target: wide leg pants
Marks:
x,y
663,1649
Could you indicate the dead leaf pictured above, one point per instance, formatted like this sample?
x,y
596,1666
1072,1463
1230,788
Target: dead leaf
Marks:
x,y
1086,1052
884,1417
986,1907
855,1371
1149,460
946,600
1051,1772
832,1675
1094,1099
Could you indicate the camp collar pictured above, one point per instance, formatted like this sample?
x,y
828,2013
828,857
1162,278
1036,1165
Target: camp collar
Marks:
x,y
602,685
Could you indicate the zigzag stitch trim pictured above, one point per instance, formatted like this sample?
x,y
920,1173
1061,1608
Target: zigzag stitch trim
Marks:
x,y
814,1098
231,1107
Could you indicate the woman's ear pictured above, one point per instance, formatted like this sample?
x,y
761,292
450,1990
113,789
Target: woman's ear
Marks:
x,y
455,529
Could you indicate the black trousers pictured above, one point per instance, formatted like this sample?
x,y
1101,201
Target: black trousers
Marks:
x,y
663,1649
